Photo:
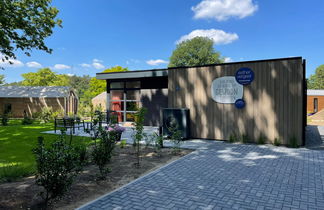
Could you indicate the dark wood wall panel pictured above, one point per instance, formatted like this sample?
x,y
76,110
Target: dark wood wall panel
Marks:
x,y
273,101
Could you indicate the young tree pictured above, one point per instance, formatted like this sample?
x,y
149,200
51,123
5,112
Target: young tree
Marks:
x,y
195,52
25,24
316,81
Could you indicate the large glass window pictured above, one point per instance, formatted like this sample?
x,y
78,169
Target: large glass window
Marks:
x,y
125,101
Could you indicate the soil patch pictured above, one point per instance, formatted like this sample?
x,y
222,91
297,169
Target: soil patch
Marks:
x,y
24,194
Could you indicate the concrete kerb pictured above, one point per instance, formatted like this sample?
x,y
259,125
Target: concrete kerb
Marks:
x,y
138,179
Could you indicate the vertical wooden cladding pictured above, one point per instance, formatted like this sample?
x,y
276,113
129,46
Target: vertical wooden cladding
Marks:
x,y
274,100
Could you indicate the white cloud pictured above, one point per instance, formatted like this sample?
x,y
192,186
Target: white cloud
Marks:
x,y
98,65
70,75
218,36
156,62
33,64
14,63
85,65
97,60
61,66
222,10
228,59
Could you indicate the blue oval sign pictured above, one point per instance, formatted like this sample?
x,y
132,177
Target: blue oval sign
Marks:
x,y
244,76
240,103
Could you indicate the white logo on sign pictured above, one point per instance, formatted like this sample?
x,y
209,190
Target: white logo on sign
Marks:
x,y
226,90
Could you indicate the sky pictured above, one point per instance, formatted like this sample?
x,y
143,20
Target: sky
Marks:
x,y
141,34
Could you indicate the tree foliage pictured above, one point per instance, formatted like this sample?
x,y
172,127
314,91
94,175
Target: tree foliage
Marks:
x,y
195,52
2,79
99,86
45,77
24,25
316,81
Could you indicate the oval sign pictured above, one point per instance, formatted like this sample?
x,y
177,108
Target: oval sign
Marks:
x,y
240,103
226,90
244,76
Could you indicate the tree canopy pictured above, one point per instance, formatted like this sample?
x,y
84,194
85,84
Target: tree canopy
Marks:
x,y
316,81
195,52
44,77
98,86
24,24
2,79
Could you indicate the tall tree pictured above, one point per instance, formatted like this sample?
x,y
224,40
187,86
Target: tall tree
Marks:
x,y
24,24
195,52
99,86
2,79
316,81
44,77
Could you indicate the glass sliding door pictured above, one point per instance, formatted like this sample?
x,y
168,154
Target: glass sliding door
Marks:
x,y
125,99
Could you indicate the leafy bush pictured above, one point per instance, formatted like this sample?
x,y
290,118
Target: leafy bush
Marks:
x,y
45,115
245,138
102,151
276,142
123,143
158,142
12,172
175,137
4,119
293,142
139,131
262,139
233,138
57,167
26,120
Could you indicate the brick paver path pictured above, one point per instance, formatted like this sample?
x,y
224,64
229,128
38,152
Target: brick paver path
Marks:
x,y
228,176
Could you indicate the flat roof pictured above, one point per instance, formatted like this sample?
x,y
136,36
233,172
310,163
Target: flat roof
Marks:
x,y
315,92
164,72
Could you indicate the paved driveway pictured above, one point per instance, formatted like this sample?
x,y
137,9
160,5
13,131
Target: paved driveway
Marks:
x,y
228,176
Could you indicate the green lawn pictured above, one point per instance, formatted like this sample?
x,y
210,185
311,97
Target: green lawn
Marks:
x,y
17,142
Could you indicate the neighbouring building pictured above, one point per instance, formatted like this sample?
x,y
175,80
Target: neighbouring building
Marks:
x,y
315,100
254,98
18,100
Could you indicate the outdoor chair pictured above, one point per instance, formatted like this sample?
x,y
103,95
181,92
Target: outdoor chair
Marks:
x,y
69,123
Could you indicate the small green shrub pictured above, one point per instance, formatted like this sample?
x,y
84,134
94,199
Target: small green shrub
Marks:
x,y
4,119
45,115
26,120
13,172
233,138
245,138
102,152
176,138
262,139
293,142
276,142
57,166
123,143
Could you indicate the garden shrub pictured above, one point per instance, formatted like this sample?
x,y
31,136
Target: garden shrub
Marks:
x,y
102,151
123,143
233,138
45,115
276,142
26,120
175,137
139,131
57,166
4,119
158,142
262,139
245,138
293,142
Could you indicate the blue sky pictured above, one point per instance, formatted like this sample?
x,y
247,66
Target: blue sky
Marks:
x,y
142,34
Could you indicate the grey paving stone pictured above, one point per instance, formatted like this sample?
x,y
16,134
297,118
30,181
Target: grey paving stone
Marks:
x,y
228,176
